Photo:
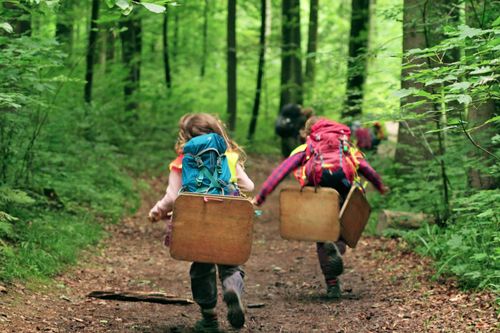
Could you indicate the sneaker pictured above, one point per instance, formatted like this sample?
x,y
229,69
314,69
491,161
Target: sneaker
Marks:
x,y
235,314
209,323
335,262
333,290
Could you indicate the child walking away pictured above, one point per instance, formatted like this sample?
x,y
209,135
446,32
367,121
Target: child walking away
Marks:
x,y
208,162
329,160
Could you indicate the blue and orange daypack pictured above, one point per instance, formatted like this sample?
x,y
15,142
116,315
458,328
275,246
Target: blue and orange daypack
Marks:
x,y
205,168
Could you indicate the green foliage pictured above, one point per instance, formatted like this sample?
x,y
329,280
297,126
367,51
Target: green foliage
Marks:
x,y
469,248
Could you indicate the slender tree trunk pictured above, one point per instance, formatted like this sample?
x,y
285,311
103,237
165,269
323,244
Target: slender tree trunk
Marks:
x,y
260,69
107,46
176,34
312,42
231,64
291,66
89,73
356,66
64,25
205,39
131,36
166,62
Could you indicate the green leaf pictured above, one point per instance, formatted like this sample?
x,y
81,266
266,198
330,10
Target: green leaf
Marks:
x,y
497,22
464,99
466,31
460,86
7,27
110,3
492,120
153,7
403,93
123,4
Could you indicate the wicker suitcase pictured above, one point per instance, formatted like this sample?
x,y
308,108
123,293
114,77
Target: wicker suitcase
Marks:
x,y
309,214
211,229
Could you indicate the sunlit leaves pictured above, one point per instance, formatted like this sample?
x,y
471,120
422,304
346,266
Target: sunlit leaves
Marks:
x,y
127,6
153,7
6,27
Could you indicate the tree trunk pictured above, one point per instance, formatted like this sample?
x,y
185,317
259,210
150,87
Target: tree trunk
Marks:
x,y
89,73
64,25
166,61
356,65
205,39
291,67
131,34
312,42
413,37
231,64
260,69
19,19
423,23
176,33
480,15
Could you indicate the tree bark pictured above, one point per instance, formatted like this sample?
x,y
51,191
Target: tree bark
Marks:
x,y
205,39
19,19
176,33
91,46
312,42
231,64
260,69
423,22
480,15
64,25
166,61
291,66
131,37
356,65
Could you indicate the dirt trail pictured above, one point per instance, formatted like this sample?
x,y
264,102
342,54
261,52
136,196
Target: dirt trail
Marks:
x,y
386,289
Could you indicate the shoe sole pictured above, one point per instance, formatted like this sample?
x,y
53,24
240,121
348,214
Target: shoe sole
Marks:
x,y
235,313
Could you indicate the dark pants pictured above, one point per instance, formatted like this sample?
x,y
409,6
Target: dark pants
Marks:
x,y
204,282
338,181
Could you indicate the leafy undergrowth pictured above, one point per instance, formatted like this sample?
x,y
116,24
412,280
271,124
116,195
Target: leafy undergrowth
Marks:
x,y
467,244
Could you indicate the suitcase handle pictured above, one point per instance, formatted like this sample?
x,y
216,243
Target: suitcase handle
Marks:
x,y
207,199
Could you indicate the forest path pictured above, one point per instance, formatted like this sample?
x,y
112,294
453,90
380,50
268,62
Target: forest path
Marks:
x,y
386,288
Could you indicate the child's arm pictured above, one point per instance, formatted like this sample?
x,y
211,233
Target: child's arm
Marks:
x,y
373,177
244,182
278,174
165,205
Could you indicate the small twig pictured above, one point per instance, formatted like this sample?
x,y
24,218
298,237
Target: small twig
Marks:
x,y
471,139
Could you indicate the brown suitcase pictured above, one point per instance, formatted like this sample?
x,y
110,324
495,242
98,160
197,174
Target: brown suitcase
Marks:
x,y
354,216
211,229
309,215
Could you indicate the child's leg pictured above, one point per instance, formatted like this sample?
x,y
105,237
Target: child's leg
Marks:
x,y
204,288
204,284
332,266
232,285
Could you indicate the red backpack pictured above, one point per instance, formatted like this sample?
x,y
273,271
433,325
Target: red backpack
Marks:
x,y
328,148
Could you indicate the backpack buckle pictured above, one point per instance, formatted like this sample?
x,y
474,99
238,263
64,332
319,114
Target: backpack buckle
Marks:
x,y
199,162
199,180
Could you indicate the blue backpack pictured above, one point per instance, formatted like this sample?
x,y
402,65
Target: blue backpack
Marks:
x,y
204,166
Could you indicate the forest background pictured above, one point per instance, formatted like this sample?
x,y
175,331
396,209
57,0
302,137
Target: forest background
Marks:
x,y
91,91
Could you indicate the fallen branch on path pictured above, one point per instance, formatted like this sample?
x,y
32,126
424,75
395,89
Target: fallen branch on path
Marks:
x,y
130,296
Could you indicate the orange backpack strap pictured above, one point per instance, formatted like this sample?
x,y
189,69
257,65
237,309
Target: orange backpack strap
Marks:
x,y
176,164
